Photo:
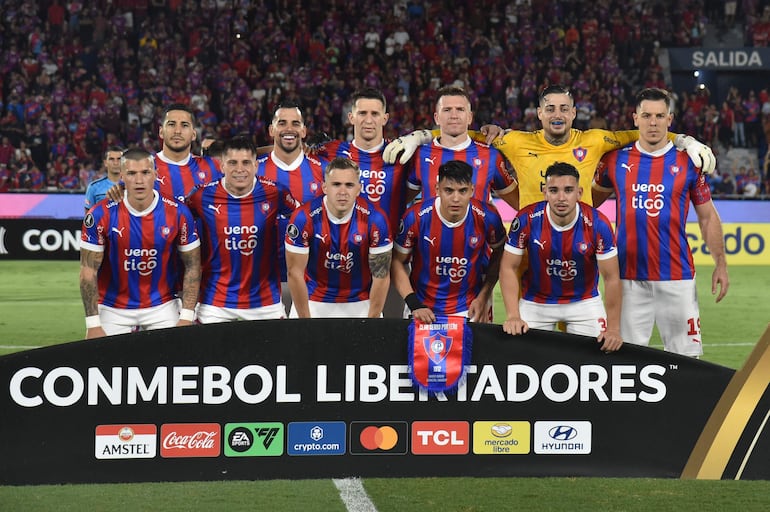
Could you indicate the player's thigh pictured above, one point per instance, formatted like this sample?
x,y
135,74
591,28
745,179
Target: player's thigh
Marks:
x,y
586,317
538,316
637,313
160,317
678,317
117,321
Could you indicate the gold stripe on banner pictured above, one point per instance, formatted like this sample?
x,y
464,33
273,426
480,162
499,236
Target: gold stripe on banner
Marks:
x,y
732,413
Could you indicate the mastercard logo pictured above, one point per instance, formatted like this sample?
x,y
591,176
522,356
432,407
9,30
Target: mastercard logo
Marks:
x,y
378,438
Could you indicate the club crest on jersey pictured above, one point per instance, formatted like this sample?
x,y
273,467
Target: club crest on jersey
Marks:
x,y
201,175
165,231
579,153
313,187
265,207
674,170
582,247
477,162
473,241
357,238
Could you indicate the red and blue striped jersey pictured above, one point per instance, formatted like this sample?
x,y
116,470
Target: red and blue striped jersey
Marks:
x,y
141,267
239,255
489,172
449,260
338,249
178,179
562,259
303,178
653,194
383,184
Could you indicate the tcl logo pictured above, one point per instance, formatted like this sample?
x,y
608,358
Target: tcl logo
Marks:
x,y
190,440
440,437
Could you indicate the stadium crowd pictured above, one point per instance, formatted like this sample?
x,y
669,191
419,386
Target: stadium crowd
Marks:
x,y
79,77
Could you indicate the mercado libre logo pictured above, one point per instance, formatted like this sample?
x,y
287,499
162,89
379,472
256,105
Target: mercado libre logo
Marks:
x,y
379,438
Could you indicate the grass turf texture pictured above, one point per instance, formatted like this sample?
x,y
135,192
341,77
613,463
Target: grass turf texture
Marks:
x,y
40,305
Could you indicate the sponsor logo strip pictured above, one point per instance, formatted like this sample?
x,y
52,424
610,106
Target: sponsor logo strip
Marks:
x,y
126,441
501,437
440,437
190,440
379,438
316,438
254,439
562,437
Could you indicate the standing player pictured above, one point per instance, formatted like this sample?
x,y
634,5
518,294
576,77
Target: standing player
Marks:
x,y
97,189
453,116
143,237
338,250
530,153
447,237
239,234
179,171
568,244
654,185
288,166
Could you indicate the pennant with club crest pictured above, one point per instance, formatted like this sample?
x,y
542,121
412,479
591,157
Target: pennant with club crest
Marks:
x,y
439,352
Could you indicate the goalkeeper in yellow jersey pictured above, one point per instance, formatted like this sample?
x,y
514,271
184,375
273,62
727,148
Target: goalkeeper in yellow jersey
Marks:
x,y
531,153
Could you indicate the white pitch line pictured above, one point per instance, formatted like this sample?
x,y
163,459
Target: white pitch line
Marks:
x,y
354,495
14,347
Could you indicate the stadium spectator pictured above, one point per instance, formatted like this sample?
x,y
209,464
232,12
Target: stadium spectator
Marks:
x,y
135,285
568,244
447,252
656,265
241,277
338,250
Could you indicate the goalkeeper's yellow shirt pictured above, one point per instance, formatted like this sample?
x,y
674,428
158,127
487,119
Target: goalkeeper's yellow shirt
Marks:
x,y
530,154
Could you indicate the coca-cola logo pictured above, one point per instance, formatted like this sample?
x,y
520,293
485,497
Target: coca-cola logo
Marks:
x,y
190,440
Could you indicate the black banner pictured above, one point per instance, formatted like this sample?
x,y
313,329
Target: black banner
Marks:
x,y
733,59
332,398
39,239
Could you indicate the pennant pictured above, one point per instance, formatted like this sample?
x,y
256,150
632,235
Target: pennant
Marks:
x,y
439,352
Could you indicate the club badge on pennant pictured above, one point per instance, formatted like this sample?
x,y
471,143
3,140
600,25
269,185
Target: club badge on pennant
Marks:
x,y
439,352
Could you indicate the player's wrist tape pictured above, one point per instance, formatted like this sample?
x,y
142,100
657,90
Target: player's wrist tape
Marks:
x,y
413,302
187,314
93,321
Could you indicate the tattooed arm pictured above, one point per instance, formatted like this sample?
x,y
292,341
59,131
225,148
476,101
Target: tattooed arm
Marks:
x,y
379,264
192,280
90,261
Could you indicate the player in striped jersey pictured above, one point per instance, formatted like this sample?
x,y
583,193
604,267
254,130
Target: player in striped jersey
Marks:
x,y
338,250
97,189
288,166
179,171
568,244
143,237
239,232
654,185
446,238
453,116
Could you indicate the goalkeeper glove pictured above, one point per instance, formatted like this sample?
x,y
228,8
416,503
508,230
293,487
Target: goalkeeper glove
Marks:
x,y
405,146
700,154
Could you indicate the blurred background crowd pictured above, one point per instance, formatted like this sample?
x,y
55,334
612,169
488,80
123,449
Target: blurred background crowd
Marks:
x,y
77,77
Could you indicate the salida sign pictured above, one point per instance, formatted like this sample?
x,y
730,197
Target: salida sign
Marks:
x,y
295,399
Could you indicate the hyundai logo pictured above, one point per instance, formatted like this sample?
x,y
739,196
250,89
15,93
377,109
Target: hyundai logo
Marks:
x,y
563,433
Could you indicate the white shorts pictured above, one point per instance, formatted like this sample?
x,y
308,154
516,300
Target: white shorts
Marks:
x,y
586,317
464,314
672,305
358,309
208,314
123,321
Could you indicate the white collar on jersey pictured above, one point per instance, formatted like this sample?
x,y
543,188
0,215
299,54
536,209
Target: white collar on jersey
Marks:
x,y
245,194
136,213
659,152
568,226
287,167
459,147
166,159
338,220
375,149
449,224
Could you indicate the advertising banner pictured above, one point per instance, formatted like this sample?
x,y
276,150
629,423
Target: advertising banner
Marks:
x,y
333,398
39,239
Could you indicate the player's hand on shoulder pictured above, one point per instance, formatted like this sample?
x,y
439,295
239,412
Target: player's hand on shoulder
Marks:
x,y
610,341
491,132
515,326
115,193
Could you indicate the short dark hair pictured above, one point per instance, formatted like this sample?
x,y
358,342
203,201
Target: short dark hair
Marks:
x,y
654,94
215,150
369,93
235,144
288,104
112,149
554,89
456,170
452,90
179,106
562,169
341,162
136,154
